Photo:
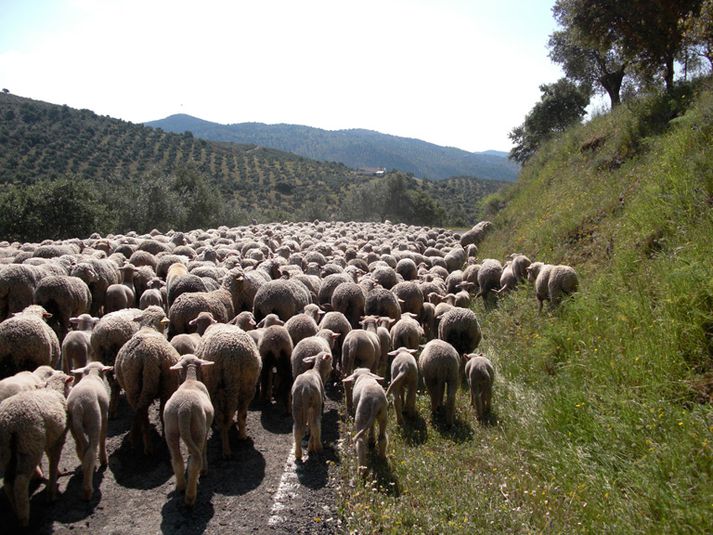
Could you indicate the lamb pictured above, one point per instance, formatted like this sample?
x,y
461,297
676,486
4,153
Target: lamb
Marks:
x,y
480,374
232,381
32,422
323,341
245,320
152,295
27,342
508,280
369,398
360,349
63,297
77,346
308,401
520,263
552,283
22,381
275,349
438,364
142,369
188,415
460,328
404,382
88,407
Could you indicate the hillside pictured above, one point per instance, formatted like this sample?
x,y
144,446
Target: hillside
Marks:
x,y
602,408
355,148
126,176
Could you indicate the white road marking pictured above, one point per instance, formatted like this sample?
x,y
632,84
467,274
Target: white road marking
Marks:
x,y
286,490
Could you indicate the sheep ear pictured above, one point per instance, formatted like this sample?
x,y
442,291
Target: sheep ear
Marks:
x,y
177,366
349,379
193,322
261,323
74,321
309,360
412,351
78,370
335,335
393,353
68,380
107,369
377,378
206,362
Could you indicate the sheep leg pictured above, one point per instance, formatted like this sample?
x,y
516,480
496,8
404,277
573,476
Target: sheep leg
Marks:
x,y
315,434
398,407
361,450
21,499
143,417
298,431
411,401
114,399
103,458
88,462
450,401
243,422
383,440
174,448
195,462
54,453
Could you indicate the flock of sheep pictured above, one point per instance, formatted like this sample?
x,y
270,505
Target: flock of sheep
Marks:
x,y
205,320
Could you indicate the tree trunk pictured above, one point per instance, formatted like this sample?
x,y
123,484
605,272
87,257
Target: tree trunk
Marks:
x,y
611,82
668,73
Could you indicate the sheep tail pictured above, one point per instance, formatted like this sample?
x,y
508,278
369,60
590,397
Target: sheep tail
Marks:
x,y
396,383
359,434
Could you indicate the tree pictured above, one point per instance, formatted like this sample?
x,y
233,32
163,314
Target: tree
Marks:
x,y
597,63
561,104
698,31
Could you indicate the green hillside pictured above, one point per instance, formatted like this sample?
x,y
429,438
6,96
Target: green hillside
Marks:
x,y
604,422
112,176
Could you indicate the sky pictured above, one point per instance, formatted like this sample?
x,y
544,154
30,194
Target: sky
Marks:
x,y
455,73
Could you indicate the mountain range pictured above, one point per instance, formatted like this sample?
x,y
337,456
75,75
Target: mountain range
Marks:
x,y
356,148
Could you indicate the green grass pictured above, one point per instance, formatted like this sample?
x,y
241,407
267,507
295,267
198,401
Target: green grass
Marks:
x,y
604,419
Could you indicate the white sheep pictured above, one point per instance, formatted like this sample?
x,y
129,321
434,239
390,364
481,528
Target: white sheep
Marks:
x,y
552,282
88,408
369,400
438,364
404,381
26,342
77,346
232,381
31,423
308,401
480,374
188,416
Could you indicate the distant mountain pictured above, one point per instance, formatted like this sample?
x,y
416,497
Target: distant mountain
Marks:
x,y
355,148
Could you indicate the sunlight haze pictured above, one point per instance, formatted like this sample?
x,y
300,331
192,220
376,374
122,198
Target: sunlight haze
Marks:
x,y
453,73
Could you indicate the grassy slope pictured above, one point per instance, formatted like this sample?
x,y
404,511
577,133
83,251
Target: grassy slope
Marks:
x,y
604,420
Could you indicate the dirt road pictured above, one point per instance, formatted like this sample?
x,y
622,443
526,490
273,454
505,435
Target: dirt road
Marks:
x,y
260,490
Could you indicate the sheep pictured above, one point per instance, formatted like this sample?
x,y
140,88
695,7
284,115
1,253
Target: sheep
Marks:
x,y
98,274
27,342
245,320
188,343
520,263
308,401
369,399
275,349
460,328
360,349
24,380
152,295
88,408
438,364
222,303
455,259
179,281
300,326
476,234
142,369
77,346
63,297
188,415
282,297
552,282
428,320
381,302
411,297
480,374
323,341
232,381
349,300
404,381
118,296
338,323
17,288
489,277
32,422
329,284
406,332
508,280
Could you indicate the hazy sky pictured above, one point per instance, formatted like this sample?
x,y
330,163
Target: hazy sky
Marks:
x,y
455,73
